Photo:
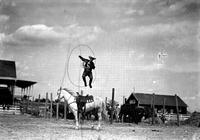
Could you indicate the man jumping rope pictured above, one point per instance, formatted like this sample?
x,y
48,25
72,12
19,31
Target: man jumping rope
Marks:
x,y
88,67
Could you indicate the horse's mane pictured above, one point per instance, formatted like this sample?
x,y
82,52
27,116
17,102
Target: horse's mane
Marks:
x,y
73,93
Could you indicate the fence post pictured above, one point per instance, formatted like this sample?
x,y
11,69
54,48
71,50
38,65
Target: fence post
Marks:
x,y
46,102
32,105
51,109
164,106
106,100
39,105
112,105
153,108
57,108
65,109
177,110
27,111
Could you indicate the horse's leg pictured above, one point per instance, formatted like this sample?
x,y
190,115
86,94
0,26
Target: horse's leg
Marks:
x,y
75,112
99,120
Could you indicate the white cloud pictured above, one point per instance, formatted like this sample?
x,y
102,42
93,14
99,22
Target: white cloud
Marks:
x,y
2,36
134,12
189,67
178,28
179,7
131,54
37,35
4,18
198,33
151,67
161,57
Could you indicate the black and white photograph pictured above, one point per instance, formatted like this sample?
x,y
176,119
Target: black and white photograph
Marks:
x,y
99,70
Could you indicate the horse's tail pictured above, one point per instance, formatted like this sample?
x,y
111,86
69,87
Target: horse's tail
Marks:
x,y
104,111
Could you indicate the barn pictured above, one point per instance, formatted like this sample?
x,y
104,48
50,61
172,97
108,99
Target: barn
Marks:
x,y
166,102
9,81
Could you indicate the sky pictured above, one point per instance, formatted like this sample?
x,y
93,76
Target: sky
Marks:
x,y
148,46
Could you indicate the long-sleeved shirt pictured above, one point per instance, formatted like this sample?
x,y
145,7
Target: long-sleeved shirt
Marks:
x,y
89,65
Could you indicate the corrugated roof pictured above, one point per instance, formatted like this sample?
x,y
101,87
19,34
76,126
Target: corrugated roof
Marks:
x,y
8,75
7,69
24,83
18,83
146,99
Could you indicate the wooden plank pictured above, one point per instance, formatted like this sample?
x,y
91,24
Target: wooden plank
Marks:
x,y
153,108
65,110
51,108
32,105
46,102
164,105
112,105
177,110
123,99
39,105
57,110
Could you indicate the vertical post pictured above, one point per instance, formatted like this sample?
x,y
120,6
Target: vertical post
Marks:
x,y
32,105
39,105
106,102
164,106
112,105
57,108
51,109
153,108
27,111
123,99
13,93
65,109
177,110
46,105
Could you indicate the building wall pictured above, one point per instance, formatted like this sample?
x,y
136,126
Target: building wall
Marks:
x,y
6,96
168,109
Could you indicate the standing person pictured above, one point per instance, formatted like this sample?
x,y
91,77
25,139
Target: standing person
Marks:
x,y
88,67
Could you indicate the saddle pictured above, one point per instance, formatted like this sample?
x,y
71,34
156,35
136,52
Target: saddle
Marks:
x,y
81,102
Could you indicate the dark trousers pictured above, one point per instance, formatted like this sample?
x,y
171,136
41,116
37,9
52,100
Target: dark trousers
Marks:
x,y
89,74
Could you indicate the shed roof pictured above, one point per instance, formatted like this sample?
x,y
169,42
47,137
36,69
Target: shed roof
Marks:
x,y
24,83
7,69
146,99
16,82
8,75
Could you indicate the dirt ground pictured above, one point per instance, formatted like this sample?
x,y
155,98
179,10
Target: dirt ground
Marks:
x,y
26,127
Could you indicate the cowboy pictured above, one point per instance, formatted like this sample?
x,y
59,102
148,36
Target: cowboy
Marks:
x,y
88,67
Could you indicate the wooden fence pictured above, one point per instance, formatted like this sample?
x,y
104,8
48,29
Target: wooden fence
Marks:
x,y
43,109
173,117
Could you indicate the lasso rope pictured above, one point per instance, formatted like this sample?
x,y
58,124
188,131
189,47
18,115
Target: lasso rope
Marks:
x,y
67,65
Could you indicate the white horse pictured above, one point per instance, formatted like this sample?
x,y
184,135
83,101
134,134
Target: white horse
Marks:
x,y
70,97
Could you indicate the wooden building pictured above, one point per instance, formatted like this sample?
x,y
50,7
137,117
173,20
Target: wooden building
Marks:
x,y
8,82
166,102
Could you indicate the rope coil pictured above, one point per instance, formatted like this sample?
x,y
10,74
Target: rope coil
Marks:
x,y
67,65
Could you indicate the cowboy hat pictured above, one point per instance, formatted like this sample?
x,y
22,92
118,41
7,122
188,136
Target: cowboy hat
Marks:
x,y
92,58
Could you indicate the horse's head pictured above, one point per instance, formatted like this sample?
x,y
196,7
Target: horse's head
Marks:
x,y
59,94
64,93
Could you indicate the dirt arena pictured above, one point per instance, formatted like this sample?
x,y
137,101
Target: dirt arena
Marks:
x,y
26,127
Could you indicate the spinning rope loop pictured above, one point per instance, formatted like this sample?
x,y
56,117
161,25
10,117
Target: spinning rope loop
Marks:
x,y
68,60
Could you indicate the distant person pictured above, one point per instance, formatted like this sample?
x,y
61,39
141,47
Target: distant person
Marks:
x,y
88,67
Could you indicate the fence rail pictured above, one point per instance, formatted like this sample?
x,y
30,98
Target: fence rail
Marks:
x,y
173,117
43,107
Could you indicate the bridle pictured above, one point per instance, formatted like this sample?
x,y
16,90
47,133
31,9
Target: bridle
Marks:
x,y
58,93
